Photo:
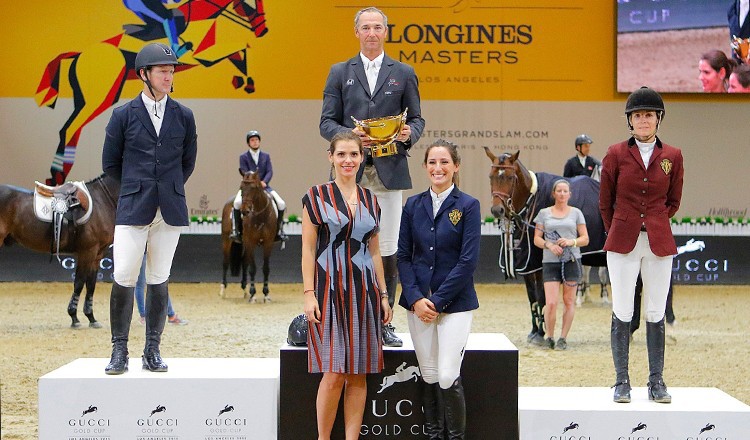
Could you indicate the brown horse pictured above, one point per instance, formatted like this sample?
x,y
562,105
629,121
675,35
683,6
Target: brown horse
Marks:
x,y
517,196
259,220
88,242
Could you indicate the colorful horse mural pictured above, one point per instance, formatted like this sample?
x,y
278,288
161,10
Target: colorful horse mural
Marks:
x,y
210,30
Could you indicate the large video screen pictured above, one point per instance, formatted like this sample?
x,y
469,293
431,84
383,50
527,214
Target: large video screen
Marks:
x,y
660,44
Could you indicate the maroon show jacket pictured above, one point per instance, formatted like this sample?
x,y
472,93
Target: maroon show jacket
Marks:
x,y
632,195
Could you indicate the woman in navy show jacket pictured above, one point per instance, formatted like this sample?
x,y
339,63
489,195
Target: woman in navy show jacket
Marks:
x,y
438,250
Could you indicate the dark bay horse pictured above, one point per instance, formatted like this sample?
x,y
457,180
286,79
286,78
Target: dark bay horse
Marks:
x,y
259,220
88,242
517,196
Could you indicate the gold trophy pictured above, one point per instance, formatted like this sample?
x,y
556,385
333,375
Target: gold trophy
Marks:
x,y
382,132
741,47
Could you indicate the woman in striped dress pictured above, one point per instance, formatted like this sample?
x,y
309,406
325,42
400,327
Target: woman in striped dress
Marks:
x,y
344,287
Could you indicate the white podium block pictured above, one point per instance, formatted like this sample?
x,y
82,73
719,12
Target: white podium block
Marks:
x,y
197,399
590,413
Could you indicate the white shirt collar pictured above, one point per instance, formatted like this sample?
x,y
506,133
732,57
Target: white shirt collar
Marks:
x,y
155,110
378,60
438,199
646,150
255,154
149,103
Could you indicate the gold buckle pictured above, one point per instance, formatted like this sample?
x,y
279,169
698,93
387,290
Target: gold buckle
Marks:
x,y
385,150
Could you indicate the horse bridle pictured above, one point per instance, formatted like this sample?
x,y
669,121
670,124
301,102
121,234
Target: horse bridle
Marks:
x,y
507,198
253,212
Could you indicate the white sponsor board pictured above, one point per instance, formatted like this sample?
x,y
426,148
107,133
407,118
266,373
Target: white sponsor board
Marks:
x,y
198,399
590,414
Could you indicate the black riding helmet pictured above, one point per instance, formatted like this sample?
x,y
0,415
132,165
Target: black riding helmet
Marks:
x,y
154,54
251,134
297,334
644,99
583,139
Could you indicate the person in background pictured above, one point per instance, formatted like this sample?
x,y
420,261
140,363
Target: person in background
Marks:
x,y
150,147
344,287
560,231
258,162
438,251
714,69
641,189
374,85
581,164
739,79
140,300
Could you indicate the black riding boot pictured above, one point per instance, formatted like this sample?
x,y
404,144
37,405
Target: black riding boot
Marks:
x,y
434,410
120,314
390,268
280,235
156,316
620,336
455,411
236,233
657,390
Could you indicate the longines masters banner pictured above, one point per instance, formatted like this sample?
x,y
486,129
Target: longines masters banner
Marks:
x,y
509,75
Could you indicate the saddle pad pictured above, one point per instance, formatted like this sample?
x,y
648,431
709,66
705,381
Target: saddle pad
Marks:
x,y
43,205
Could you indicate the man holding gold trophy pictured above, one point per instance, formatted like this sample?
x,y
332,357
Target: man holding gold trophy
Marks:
x,y
377,97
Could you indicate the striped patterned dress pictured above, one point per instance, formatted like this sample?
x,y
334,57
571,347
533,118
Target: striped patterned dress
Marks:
x,y
347,340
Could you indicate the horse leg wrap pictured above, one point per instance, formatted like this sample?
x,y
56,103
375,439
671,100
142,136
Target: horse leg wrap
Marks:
x,y
157,299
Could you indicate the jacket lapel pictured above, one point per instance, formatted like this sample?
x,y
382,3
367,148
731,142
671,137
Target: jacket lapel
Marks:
x,y
657,153
170,112
636,153
427,205
142,115
449,201
384,73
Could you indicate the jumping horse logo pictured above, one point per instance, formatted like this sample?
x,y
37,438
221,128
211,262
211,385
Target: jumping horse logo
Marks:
x,y
403,373
89,410
158,409
227,408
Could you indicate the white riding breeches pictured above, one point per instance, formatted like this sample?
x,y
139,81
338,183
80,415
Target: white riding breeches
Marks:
x,y
391,204
130,244
656,273
280,203
440,344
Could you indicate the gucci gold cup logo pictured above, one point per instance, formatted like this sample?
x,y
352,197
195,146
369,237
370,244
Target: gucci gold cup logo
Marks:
x,y
382,132
741,47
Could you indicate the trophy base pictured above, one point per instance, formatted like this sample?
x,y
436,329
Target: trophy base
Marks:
x,y
384,150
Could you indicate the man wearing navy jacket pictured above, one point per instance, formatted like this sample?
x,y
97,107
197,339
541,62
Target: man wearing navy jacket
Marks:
x,y
150,147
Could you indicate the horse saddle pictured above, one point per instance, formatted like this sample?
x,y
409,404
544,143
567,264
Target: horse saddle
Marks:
x,y
62,199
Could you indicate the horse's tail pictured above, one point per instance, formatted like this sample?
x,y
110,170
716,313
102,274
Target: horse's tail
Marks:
x,y
235,258
46,93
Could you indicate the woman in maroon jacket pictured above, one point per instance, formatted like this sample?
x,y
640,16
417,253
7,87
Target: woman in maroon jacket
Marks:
x,y
641,188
